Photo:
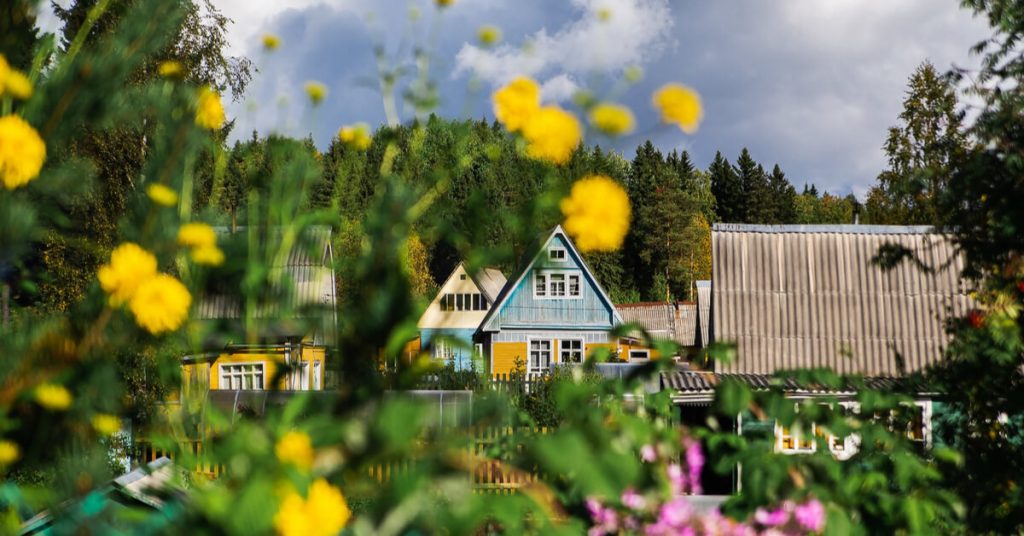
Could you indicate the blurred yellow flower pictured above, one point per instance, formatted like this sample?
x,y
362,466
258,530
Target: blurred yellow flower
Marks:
x,y
209,110
106,424
170,69
129,266
22,152
13,82
162,195
680,105
597,213
633,73
356,136
316,92
516,102
612,119
53,396
323,513
295,448
271,41
552,134
604,14
9,452
488,34
197,235
160,304
444,3
208,255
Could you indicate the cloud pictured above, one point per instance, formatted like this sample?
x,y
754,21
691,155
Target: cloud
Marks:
x,y
608,36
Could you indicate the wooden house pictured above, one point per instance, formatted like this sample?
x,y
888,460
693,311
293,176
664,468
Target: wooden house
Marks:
x,y
552,310
670,321
447,326
295,322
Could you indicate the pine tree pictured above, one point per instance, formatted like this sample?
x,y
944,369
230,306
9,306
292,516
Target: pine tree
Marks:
x,y
756,206
727,189
19,36
783,197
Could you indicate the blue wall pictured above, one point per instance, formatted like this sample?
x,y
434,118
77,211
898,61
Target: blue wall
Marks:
x,y
463,354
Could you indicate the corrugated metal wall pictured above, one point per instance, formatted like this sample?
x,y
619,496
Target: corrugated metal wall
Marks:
x,y
809,296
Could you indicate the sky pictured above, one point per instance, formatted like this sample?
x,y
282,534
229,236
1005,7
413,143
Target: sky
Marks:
x,y
812,85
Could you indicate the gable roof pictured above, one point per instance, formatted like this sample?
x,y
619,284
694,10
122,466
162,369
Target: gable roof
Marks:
x,y
530,257
795,296
666,320
487,281
490,281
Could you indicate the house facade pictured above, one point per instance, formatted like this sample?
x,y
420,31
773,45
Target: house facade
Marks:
x,y
552,311
448,324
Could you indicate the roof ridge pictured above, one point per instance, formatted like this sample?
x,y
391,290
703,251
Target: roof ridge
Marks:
x,y
823,228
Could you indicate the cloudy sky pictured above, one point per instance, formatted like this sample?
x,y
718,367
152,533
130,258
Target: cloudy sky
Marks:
x,y
809,84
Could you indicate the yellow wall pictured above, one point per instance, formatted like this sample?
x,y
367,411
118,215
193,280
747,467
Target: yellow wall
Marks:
x,y
194,373
504,354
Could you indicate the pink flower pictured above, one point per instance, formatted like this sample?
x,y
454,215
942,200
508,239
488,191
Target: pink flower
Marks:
x,y
633,500
605,519
676,478
648,454
675,513
694,463
810,515
771,518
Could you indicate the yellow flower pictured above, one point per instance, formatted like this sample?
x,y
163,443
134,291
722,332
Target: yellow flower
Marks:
x,y
53,397
9,452
604,14
680,105
297,449
444,3
18,85
160,304
612,119
106,424
197,235
323,513
316,92
633,73
208,255
170,69
488,34
209,110
597,213
162,195
271,41
22,152
552,134
356,136
516,102
129,266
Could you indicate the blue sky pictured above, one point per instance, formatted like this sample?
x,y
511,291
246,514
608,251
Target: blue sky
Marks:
x,y
810,84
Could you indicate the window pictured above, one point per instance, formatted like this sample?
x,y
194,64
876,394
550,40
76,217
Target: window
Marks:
x,y
298,378
574,286
570,351
540,356
462,277
793,441
540,285
557,254
477,306
637,355
237,376
443,350
316,376
556,284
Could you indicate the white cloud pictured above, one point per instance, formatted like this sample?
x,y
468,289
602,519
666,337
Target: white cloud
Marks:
x,y
559,88
608,36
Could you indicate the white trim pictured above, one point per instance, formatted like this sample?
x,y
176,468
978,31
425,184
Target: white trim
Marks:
x,y
582,349
646,352
262,374
566,273
553,249
552,359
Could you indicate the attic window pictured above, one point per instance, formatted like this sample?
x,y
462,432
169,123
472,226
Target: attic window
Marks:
x,y
557,254
462,277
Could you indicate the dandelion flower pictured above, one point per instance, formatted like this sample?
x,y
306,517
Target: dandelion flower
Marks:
x,y
197,235
18,85
53,396
22,152
356,136
597,213
323,512
271,41
160,304
162,195
170,69
612,119
9,452
679,105
106,424
129,266
488,34
209,110
208,256
316,92
552,134
295,448
516,102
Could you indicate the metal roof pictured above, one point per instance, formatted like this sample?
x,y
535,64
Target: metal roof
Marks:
x,y
665,320
490,281
809,296
703,312
305,271
702,382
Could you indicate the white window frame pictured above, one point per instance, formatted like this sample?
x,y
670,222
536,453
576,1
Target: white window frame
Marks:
x,y
646,357
317,384
226,375
582,350
546,289
530,368
299,376
443,350
564,257
840,447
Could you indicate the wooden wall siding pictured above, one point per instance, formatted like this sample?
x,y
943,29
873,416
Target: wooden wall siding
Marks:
x,y
809,296
522,309
523,336
435,317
